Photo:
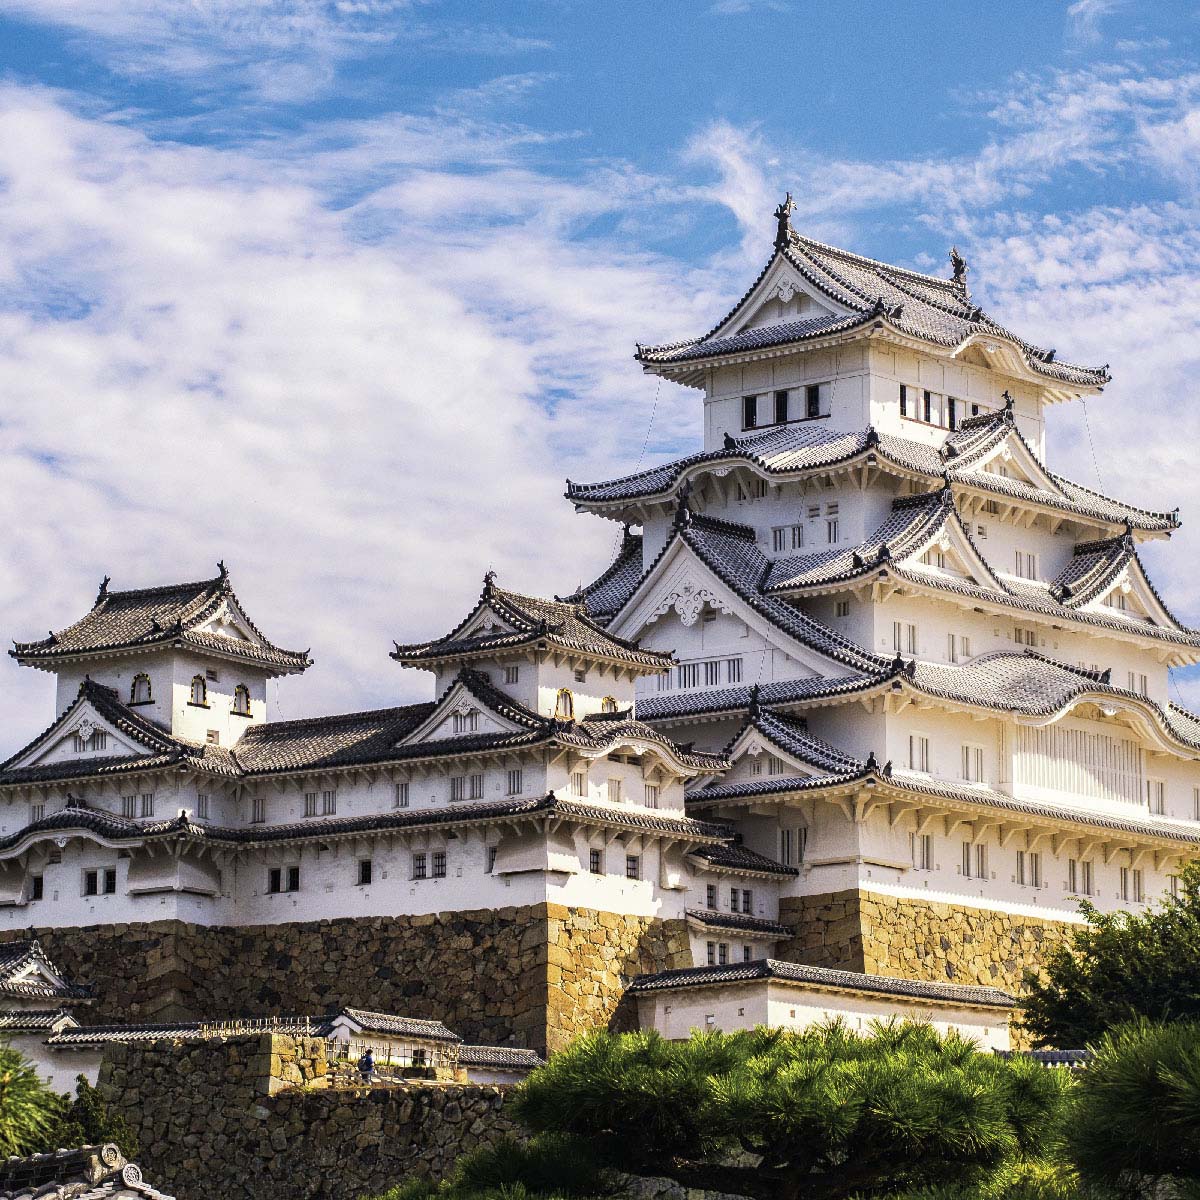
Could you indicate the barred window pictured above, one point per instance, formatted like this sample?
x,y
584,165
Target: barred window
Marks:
x,y
147,804
328,803
37,812
310,804
439,864
258,810
633,866
420,865
129,806
402,795
467,722
515,782
652,795
202,805
491,859
595,862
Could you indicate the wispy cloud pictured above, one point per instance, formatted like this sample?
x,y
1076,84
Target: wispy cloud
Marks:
x,y
280,50
1084,17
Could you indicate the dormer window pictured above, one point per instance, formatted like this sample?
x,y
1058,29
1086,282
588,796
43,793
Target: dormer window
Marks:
x,y
241,700
139,692
199,693
466,722
564,705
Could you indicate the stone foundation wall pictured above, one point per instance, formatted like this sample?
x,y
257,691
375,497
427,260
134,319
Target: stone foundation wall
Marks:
x,y
212,1120
592,957
534,976
916,939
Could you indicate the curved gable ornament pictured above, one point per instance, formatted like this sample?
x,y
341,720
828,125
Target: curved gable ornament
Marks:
x,y
688,600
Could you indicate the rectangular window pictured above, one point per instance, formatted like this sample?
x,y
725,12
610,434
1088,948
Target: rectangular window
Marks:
x,y
779,538
275,881
458,787
951,413
1173,886
710,896
747,901
652,795
147,804
972,764
293,879
1025,637
595,862
968,863
328,803
958,647
797,536
689,675
614,791
722,953
781,408
1026,564
36,812
258,810
831,530
467,722
477,787
922,851
981,532
129,806
365,871
904,637
812,400
420,865
1035,869
1156,796
733,670
213,737
580,675
1138,894
981,863
1073,876
749,412
1196,804
904,400
37,887
491,860
91,883
734,897
633,866
512,674
1085,879
927,410
814,510
401,795
1138,683
712,673
515,784
438,864
579,783
310,804
918,752
711,952
202,805
1021,874
775,765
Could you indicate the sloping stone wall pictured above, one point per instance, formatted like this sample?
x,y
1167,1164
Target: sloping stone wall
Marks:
x,y
916,939
212,1121
534,976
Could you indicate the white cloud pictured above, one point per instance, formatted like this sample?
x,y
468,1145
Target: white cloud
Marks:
x,y
1085,16
201,359
281,50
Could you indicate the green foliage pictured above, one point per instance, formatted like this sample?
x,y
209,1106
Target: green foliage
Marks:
x,y
1119,967
1134,1122
28,1108
86,1121
550,1167
828,1113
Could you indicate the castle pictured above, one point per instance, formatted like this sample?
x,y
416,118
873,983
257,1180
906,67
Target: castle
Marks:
x,y
870,699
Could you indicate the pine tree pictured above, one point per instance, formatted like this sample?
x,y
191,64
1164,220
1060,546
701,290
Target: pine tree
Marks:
x,y
28,1108
1119,967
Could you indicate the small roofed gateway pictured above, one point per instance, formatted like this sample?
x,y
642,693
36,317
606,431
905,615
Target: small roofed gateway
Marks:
x,y
86,1173
786,995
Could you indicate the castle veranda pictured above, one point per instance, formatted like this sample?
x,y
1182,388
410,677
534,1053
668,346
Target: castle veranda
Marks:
x,y
869,692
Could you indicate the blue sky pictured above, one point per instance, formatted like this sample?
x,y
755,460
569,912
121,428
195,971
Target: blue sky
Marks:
x,y
341,292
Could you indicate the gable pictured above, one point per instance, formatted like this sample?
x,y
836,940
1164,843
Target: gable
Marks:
x,y
80,734
459,714
230,622
782,295
949,551
1011,459
486,621
1132,597
667,611
756,756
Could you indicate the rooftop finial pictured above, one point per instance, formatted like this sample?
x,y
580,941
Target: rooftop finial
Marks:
x,y
1009,403
754,710
958,267
222,570
103,589
489,581
783,214
683,513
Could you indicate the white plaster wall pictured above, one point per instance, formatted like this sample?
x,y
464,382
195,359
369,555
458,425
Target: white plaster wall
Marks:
x,y
59,1068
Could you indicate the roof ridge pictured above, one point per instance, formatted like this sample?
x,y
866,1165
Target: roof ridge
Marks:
x,y
841,252
362,714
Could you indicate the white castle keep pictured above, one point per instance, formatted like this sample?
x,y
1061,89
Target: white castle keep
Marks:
x,y
869,699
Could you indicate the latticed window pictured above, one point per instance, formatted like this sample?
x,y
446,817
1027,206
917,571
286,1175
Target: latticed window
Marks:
x,y
202,805
595,862
402,795
328,803
652,795
420,865
147,804
579,783
439,864
310,804
515,781
633,866
258,810
129,806
466,722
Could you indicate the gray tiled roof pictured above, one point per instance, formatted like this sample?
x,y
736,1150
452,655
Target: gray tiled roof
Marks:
x,y
124,829
924,306
770,968
152,617
86,1173
561,624
154,1031
792,737
737,858
607,594
377,1022
738,923
31,1020
17,956
807,447
503,1057
669,706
